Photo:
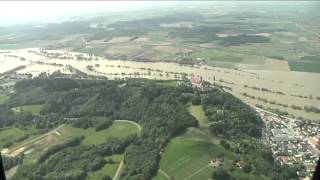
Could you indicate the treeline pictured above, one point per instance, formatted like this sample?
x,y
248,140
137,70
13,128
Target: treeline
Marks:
x,y
71,142
264,89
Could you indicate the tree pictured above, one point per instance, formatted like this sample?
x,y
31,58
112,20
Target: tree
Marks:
x,y
221,174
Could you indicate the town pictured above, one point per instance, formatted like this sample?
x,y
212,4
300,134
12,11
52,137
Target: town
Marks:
x,y
292,141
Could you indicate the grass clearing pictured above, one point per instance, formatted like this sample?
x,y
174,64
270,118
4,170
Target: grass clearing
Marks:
x,y
4,98
34,109
117,129
198,113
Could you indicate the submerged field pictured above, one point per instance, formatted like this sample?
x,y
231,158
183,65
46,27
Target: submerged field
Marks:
x,y
284,88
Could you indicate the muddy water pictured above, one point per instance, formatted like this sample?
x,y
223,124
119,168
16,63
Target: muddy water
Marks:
x,y
288,82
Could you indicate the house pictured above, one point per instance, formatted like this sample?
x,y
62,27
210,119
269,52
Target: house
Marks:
x,y
314,142
240,164
215,162
196,81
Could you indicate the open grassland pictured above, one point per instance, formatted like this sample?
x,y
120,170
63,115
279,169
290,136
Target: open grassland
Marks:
x,y
34,109
108,169
16,136
198,113
4,98
117,129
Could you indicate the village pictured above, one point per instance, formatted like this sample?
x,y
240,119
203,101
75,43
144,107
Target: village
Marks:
x,y
292,141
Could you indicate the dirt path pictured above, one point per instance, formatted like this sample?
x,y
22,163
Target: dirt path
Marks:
x,y
164,173
132,122
16,150
203,168
116,176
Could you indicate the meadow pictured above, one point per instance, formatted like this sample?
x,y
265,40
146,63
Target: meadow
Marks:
x,y
198,113
91,136
4,98
16,136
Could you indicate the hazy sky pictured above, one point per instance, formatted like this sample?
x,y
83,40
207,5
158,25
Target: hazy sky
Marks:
x,y
32,11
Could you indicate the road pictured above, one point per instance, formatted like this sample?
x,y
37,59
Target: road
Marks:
x,y
116,176
10,151
132,122
164,173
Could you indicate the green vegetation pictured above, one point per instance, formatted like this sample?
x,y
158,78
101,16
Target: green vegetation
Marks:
x,y
216,55
98,51
11,135
4,98
33,109
91,136
243,39
198,113
88,107
108,169
305,66
315,58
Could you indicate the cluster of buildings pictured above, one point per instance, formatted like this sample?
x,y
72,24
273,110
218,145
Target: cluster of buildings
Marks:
x,y
293,141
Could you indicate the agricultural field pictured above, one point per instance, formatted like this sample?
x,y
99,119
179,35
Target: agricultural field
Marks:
x,y
189,159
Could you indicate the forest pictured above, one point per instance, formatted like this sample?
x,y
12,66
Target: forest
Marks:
x,y
160,110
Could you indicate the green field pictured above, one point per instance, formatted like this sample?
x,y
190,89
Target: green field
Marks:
x,y
215,55
198,113
34,109
183,157
117,129
108,169
14,134
189,159
3,99
305,66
